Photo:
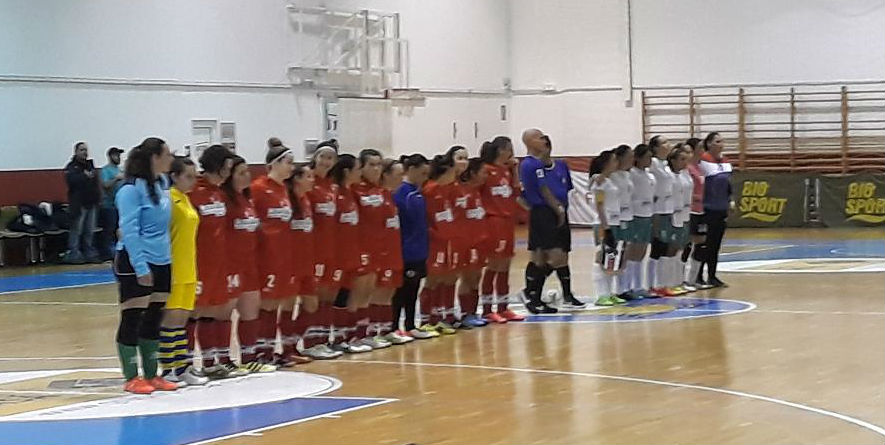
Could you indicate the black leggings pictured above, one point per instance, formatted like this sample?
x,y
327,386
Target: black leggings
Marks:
x,y
716,225
406,297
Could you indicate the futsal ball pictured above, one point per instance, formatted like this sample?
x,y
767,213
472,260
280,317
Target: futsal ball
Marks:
x,y
551,296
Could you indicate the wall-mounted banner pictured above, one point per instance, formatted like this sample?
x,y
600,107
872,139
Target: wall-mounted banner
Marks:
x,y
768,200
857,200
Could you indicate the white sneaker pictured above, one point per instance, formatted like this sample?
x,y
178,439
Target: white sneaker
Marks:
x,y
689,286
418,334
397,339
193,377
321,352
172,377
373,343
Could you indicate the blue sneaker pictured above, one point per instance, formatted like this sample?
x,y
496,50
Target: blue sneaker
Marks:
x,y
473,320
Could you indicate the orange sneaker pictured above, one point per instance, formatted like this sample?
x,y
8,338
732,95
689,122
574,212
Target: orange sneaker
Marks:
x,y
494,317
161,384
138,385
512,316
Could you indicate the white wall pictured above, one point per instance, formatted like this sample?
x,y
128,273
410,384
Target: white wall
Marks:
x,y
696,42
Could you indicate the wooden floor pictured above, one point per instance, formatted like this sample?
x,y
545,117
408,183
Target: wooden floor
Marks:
x,y
806,365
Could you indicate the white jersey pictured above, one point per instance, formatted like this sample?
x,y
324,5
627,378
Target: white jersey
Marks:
x,y
663,187
610,204
687,190
677,219
625,192
643,196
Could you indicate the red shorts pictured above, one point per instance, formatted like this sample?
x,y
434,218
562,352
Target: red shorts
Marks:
x,y
344,278
244,280
324,273
475,258
501,235
389,269
274,286
440,259
304,285
367,263
212,290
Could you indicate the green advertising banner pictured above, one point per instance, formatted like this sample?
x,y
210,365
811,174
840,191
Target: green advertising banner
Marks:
x,y
857,200
768,199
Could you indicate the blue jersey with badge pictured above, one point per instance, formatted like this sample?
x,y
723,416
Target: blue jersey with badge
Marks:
x,y
533,174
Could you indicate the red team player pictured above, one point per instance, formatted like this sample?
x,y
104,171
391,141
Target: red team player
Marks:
x,y
473,252
499,194
351,264
390,264
311,324
274,264
378,231
242,252
213,293
323,200
437,298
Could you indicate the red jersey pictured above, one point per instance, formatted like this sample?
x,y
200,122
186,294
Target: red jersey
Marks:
x,y
323,199
440,211
275,212
476,215
348,231
499,191
242,244
212,254
302,239
374,214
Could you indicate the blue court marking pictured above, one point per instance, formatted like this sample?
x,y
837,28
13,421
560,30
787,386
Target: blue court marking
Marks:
x,y
58,280
176,428
651,309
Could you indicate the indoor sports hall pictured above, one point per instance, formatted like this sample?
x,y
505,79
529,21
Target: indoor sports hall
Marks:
x,y
442,222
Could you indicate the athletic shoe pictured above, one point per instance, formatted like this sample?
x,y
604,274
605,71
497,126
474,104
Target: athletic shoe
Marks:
x,y
444,328
474,321
193,377
605,300
395,338
321,352
419,334
375,342
138,385
351,348
509,315
631,295
161,384
677,291
716,282
687,286
703,285
642,294
618,300
459,324
570,303
256,367
428,328
234,370
494,317
216,372
658,292
535,308
178,380
298,359
282,361
357,348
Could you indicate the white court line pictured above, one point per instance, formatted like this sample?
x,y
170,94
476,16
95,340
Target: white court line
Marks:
x,y
73,286
785,311
16,359
759,249
863,424
294,422
58,303
74,393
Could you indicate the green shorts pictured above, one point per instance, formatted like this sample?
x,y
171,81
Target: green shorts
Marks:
x,y
680,236
663,228
624,231
640,229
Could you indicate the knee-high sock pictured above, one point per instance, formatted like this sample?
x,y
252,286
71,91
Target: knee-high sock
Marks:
x,y
222,340
651,274
247,331
206,339
487,290
502,289
601,281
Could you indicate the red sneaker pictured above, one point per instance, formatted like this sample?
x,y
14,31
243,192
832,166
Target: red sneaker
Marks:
x,y
138,385
661,292
161,384
512,316
494,317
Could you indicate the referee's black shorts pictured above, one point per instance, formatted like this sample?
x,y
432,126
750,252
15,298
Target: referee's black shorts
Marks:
x,y
544,231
